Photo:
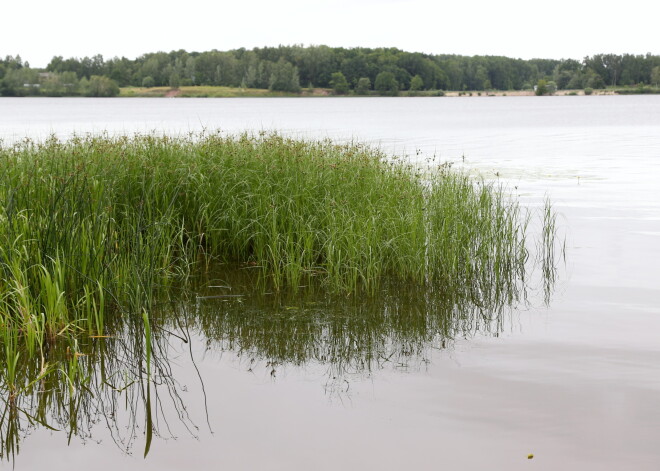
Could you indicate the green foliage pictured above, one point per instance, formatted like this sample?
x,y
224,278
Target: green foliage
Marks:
x,y
417,83
98,86
551,87
576,82
588,91
594,80
541,88
284,77
175,81
363,86
386,84
64,84
148,82
563,79
20,82
338,83
263,68
655,76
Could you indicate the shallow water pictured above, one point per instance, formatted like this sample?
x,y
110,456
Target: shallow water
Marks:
x,y
575,383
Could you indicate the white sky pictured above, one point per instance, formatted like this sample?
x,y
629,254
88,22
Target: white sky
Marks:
x,y
41,29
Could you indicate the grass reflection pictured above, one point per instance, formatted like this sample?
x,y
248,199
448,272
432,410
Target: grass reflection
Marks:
x,y
121,382
350,334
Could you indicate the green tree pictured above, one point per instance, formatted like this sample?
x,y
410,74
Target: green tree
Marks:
x,y
20,82
552,88
655,75
363,86
541,88
175,81
227,71
316,64
98,86
576,81
70,82
480,80
52,84
417,83
284,77
148,82
563,79
594,80
120,70
386,84
338,83
189,70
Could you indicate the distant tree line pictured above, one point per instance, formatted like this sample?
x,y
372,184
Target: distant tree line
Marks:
x,y
383,71
18,79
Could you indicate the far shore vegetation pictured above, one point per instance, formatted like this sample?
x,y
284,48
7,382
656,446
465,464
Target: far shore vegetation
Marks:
x,y
210,91
322,70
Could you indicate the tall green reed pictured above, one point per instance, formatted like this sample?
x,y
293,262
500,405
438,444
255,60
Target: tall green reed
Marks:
x,y
106,226
96,232
122,218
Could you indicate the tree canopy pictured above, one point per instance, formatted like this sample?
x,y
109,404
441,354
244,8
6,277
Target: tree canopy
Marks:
x,y
287,68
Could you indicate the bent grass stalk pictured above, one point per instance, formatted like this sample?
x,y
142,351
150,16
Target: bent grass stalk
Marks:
x,y
148,414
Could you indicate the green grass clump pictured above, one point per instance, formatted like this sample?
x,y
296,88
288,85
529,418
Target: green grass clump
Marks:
x,y
95,230
99,222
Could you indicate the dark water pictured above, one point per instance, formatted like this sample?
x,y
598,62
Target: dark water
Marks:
x,y
301,382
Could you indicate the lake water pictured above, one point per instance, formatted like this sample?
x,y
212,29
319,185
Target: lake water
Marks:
x,y
576,383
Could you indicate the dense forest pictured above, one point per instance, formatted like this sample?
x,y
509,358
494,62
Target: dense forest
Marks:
x,y
384,71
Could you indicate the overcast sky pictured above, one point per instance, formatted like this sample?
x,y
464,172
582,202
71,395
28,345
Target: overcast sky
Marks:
x,y
41,29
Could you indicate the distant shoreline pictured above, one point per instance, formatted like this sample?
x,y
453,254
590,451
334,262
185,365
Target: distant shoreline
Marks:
x,y
236,92
202,91
491,93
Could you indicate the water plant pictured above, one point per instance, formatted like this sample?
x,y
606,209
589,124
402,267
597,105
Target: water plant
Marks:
x,y
97,233
116,218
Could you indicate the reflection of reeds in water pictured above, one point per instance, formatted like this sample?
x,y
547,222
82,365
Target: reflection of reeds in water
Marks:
x,y
548,247
111,382
95,230
398,325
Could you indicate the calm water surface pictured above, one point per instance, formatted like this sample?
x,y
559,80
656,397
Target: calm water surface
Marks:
x,y
576,383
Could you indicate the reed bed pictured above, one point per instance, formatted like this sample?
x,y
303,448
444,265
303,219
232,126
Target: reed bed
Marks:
x,y
99,225
95,230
